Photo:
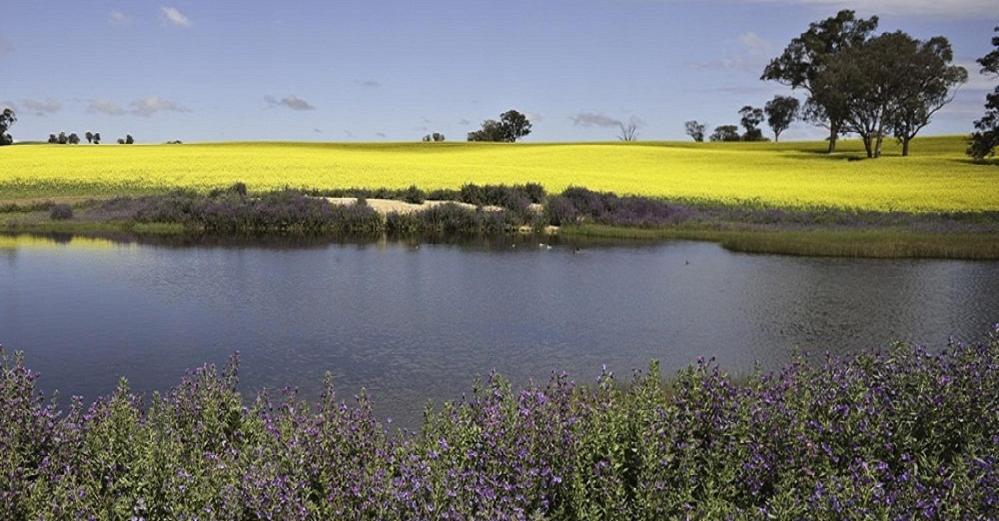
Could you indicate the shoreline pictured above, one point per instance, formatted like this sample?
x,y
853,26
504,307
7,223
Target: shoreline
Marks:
x,y
873,243
518,210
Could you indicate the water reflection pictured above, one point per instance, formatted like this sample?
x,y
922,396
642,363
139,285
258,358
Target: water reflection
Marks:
x,y
413,322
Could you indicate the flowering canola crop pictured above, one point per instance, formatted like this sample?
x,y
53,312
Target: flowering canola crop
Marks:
x,y
936,178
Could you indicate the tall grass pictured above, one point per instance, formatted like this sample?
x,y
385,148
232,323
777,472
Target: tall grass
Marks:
x,y
900,434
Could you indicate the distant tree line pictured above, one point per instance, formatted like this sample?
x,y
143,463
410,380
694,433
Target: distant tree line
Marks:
x,y
858,83
91,137
779,113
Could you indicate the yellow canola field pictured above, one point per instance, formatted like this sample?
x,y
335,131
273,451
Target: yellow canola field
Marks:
x,y
937,177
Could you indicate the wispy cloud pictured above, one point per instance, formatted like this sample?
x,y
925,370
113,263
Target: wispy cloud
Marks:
x,y
953,9
5,46
755,43
754,53
596,119
144,107
41,107
119,18
977,80
173,16
369,84
108,108
593,119
464,121
934,8
148,106
291,102
317,130
381,135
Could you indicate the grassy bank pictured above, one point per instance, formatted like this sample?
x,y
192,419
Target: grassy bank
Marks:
x,y
868,243
789,175
499,209
895,435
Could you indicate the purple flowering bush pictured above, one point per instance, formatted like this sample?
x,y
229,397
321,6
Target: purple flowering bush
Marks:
x,y
899,434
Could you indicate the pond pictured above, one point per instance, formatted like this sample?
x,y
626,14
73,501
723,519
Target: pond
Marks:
x,y
412,323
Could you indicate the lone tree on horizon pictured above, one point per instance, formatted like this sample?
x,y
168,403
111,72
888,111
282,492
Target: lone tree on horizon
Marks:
x,y
781,112
695,130
629,130
512,126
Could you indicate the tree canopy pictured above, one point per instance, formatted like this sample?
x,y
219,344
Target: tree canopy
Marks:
x,y
7,120
695,130
512,126
750,119
891,83
726,133
781,112
985,139
806,58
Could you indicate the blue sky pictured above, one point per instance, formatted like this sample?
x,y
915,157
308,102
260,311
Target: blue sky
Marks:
x,y
394,70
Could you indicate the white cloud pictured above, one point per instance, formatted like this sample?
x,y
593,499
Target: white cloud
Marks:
x,y
292,102
175,17
41,107
148,106
119,18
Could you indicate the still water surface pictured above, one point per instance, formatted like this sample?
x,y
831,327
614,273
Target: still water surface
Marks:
x,y
413,324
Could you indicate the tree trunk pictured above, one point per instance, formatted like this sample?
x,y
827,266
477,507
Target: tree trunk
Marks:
x,y
833,134
867,146
776,137
905,147
877,145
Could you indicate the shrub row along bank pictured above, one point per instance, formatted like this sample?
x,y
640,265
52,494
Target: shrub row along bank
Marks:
x,y
896,435
233,210
513,196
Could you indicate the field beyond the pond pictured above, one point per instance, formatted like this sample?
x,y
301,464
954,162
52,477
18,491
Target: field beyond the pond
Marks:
x,y
937,177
